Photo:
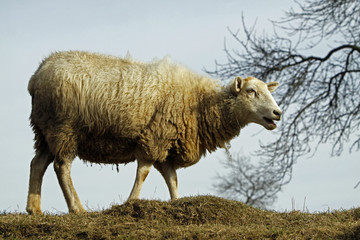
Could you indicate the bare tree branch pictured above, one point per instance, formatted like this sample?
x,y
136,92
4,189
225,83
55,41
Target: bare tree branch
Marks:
x,y
247,182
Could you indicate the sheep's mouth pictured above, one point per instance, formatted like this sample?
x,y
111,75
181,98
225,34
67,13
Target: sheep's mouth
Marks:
x,y
271,124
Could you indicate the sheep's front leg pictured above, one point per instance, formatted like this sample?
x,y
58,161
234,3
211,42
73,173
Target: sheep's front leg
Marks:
x,y
143,170
168,172
63,171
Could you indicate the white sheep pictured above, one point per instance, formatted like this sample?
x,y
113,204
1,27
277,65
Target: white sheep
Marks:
x,y
111,110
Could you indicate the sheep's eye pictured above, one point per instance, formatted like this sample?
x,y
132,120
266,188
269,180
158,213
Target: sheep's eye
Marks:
x,y
251,91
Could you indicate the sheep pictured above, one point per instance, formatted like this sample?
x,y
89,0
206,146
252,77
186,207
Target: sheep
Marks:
x,y
111,110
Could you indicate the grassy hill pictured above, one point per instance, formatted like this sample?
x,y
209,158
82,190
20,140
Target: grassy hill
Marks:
x,y
202,217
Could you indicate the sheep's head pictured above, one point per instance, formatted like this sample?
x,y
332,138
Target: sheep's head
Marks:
x,y
256,102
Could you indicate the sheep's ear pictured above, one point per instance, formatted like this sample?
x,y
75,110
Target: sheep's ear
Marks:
x,y
272,86
236,85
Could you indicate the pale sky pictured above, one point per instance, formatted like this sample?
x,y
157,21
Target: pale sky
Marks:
x,y
192,33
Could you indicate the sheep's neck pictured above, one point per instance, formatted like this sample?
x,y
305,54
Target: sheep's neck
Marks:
x,y
218,122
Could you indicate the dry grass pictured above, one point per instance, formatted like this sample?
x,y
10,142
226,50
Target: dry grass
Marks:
x,y
202,217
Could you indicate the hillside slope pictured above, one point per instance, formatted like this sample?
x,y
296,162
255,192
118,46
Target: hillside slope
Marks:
x,y
202,217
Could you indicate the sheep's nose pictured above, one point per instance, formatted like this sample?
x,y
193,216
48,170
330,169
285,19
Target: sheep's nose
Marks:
x,y
277,113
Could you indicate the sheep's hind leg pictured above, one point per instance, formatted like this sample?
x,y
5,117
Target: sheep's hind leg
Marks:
x,y
168,171
38,167
63,171
142,171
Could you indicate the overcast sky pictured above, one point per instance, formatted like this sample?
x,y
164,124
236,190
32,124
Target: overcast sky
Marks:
x,y
192,33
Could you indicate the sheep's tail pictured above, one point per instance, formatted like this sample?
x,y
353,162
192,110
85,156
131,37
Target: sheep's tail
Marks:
x,y
31,85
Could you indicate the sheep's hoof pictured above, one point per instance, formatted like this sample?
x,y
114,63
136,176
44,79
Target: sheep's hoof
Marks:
x,y
34,211
79,210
